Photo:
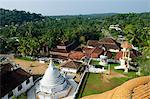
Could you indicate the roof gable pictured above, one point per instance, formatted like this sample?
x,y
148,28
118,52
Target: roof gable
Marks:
x,y
11,79
77,55
72,64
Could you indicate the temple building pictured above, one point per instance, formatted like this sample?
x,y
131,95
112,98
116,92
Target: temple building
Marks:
x,y
125,59
13,79
53,85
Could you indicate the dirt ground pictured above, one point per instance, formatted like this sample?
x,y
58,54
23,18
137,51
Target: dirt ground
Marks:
x,y
35,67
106,77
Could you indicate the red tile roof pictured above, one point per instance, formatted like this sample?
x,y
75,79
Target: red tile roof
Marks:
x,y
93,43
126,45
93,52
75,55
87,50
118,55
133,54
108,54
72,64
60,57
108,43
59,50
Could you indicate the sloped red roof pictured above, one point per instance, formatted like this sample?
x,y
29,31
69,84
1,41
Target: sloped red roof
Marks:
x,y
59,50
93,43
111,46
108,43
133,54
72,64
60,57
95,55
126,45
118,55
93,52
87,50
75,55
108,54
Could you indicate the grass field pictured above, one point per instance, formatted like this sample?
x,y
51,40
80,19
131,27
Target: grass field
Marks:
x,y
94,84
94,62
130,74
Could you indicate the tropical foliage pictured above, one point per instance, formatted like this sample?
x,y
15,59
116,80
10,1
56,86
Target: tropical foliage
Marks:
x,y
26,33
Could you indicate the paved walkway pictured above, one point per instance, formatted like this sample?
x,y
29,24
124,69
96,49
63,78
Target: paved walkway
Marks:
x,y
31,94
72,92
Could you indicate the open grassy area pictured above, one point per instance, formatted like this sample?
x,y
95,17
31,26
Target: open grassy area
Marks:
x,y
95,84
94,62
130,74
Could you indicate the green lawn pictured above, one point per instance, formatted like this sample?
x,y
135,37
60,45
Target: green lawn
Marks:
x,y
130,74
94,62
94,84
56,64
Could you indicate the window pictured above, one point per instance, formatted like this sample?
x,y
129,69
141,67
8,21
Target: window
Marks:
x,y
27,81
10,94
19,87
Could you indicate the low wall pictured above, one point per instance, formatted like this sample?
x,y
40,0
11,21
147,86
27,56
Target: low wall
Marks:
x,y
81,80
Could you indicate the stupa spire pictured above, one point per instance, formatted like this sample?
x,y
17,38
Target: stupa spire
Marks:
x,y
51,64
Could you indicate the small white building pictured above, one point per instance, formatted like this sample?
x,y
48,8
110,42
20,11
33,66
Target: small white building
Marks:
x,y
14,81
125,59
71,66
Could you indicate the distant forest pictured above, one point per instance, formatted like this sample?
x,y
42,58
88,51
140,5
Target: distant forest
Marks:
x,y
34,31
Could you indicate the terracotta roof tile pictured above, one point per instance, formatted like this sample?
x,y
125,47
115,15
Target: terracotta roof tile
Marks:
x,y
93,52
126,45
133,54
93,43
77,55
59,50
72,64
108,43
60,57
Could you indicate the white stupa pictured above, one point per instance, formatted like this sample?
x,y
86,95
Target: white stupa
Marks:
x,y
53,85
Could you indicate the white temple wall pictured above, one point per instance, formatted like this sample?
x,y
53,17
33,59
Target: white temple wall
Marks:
x,y
24,88
113,50
69,70
53,90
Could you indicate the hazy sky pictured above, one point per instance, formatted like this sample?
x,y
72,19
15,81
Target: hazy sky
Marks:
x,y
71,7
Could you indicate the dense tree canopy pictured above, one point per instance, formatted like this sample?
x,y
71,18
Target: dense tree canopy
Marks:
x,y
8,17
34,31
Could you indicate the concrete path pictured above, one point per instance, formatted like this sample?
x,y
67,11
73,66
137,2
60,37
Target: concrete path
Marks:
x,y
31,94
72,92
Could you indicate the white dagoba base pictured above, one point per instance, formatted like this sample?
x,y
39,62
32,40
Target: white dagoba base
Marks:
x,y
53,85
57,95
120,67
